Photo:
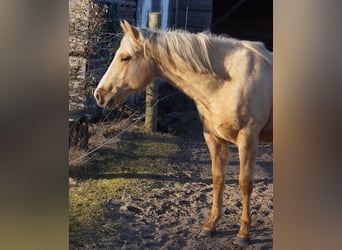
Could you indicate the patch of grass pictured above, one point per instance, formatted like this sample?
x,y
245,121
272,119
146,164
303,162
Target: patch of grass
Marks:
x,y
134,152
87,215
86,198
125,166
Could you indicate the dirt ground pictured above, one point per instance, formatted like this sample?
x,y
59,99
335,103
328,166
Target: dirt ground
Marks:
x,y
164,204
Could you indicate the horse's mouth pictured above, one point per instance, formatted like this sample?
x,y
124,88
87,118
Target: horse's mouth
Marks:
x,y
110,104
115,99
113,103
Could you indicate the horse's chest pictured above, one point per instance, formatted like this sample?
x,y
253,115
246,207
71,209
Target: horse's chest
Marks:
x,y
224,131
226,128
221,117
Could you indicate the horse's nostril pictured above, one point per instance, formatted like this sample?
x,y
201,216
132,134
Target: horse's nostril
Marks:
x,y
97,97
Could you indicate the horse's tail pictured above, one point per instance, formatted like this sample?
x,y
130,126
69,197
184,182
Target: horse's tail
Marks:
x,y
259,49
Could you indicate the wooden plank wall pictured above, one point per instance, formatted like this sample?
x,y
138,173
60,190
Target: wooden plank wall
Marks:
x,y
252,20
199,15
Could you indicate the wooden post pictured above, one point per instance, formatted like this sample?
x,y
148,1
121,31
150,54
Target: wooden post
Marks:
x,y
152,89
78,130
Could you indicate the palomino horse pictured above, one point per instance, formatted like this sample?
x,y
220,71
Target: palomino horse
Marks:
x,y
230,82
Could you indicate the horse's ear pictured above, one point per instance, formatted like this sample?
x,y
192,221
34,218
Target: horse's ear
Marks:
x,y
130,29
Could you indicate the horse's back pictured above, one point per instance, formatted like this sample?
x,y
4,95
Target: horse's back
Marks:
x,y
259,49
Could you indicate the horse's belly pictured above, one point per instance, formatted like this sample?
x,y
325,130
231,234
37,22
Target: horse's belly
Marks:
x,y
266,135
230,134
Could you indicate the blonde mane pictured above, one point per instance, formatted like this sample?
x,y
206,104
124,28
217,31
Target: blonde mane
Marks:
x,y
183,49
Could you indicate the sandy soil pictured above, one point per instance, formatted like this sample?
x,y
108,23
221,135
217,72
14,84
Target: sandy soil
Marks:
x,y
172,214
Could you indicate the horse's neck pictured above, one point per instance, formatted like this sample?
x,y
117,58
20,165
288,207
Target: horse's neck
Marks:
x,y
194,85
198,86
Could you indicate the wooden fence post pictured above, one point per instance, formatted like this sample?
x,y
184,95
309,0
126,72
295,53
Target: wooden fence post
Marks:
x,y
152,89
78,130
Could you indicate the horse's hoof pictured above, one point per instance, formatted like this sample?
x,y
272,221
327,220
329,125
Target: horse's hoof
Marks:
x,y
206,233
241,241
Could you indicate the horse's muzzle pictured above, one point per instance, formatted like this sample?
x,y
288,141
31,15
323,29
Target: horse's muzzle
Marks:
x,y
102,97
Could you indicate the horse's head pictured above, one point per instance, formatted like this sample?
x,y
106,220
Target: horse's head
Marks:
x,y
130,71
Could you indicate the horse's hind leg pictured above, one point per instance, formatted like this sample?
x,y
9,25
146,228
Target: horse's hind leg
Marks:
x,y
219,154
247,144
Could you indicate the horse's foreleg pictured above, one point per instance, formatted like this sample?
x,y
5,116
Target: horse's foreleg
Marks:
x,y
247,144
219,154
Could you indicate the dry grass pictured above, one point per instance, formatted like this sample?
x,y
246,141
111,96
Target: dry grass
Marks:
x,y
75,153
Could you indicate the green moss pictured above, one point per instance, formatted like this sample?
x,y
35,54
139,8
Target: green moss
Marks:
x,y
87,214
134,152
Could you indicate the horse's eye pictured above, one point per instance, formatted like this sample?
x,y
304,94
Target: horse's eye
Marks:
x,y
125,58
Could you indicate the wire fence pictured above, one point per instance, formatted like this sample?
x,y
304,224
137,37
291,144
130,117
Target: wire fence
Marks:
x,y
133,122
